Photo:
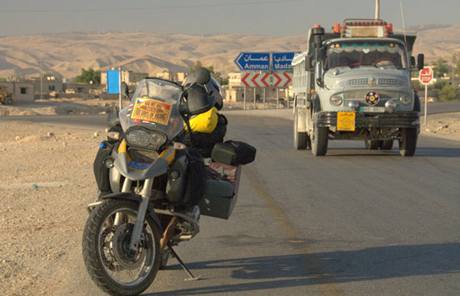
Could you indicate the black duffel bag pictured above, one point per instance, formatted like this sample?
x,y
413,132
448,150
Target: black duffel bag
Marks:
x,y
233,153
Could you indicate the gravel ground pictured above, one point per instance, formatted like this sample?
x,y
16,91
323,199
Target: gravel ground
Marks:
x,y
446,126
47,182
73,106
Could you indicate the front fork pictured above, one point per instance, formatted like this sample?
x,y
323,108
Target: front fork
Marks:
x,y
146,193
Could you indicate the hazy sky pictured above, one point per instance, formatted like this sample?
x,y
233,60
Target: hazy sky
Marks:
x,y
209,16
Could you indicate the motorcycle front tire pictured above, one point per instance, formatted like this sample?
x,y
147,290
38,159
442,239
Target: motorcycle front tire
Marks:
x,y
93,260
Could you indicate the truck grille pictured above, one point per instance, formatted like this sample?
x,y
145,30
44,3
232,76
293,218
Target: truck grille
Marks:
x,y
379,82
360,95
389,82
359,82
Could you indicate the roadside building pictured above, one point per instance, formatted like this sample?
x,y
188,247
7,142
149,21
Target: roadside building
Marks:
x,y
165,74
48,84
80,90
129,77
180,76
234,92
170,75
22,91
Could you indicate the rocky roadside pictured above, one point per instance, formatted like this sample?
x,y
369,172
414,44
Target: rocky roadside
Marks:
x,y
47,181
74,106
446,126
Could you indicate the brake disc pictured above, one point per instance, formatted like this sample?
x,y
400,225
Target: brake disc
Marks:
x,y
124,256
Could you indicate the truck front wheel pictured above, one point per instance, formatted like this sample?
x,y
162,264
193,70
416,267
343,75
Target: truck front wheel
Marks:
x,y
319,141
408,141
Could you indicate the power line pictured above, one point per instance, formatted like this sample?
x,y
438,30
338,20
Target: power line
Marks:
x,y
142,9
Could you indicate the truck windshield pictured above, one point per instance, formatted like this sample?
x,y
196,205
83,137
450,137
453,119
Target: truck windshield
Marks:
x,y
353,54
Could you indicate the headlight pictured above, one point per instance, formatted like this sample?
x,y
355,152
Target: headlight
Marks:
x,y
391,106
336,100
144,138
405,100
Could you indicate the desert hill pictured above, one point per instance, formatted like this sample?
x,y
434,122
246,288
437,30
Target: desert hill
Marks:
x,y
67,53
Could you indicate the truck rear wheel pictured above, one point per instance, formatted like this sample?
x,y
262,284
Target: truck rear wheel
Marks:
x,y
386,145
301,139
408,141
373,144
319,141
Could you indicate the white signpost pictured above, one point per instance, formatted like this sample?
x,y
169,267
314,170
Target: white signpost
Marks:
x,y
425,77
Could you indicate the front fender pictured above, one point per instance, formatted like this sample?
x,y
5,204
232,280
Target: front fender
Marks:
x,y
135,198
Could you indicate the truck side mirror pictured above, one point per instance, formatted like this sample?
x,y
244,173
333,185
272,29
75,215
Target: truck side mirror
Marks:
x,y
420,61
412,62
319,75
308,66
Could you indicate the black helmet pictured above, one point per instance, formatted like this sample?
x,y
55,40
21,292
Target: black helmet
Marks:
x,y
199,76
203,77
196,100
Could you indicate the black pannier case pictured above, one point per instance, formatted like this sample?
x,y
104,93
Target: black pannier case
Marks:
x,y
233,153
221,190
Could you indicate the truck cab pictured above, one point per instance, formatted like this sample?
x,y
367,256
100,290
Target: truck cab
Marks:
x,y
354,83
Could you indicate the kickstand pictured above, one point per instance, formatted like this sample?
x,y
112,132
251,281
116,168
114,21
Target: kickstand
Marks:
x,y
184,267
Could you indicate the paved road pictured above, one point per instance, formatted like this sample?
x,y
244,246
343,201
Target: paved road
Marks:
x,y
352,223
442,107
99,120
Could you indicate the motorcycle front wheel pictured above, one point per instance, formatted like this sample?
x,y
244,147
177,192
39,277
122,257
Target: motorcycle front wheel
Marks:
x,y
111,264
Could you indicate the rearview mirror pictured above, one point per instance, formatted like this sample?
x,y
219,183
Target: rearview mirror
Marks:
x,y
319,75
420,61
308,66
412,62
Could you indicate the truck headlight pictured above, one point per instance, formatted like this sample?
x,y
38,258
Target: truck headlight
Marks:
x,y
405,100
336,100
390,106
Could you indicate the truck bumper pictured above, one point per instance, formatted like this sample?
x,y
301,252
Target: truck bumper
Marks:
x,y
372,120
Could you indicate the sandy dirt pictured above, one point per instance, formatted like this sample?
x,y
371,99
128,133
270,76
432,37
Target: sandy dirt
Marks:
x,y
445,126
67,53
46,183
73,106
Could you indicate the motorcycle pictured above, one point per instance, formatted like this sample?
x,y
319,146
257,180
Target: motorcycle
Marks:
x,y
160,188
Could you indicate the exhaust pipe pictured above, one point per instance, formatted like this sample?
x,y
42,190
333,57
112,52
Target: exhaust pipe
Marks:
x,y
377,9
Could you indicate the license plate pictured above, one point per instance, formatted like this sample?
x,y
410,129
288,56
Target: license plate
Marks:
x,y
372,109
346,121
152,111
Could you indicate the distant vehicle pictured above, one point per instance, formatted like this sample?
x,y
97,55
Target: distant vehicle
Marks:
x,y
354,83
6,98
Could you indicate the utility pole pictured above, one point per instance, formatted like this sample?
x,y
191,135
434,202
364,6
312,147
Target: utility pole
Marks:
x,y
377,9
41,83
120,77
